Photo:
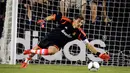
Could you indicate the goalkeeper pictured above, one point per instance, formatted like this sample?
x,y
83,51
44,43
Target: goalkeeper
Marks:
x,y
66,31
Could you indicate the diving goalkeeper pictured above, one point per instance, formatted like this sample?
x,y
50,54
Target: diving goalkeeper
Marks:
x,y
67,30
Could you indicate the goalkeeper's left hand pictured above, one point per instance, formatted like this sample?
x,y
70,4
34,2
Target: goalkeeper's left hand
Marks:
x,y
104,56
41,22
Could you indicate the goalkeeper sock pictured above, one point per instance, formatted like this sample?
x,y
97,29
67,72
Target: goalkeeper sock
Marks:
x,y
27,59
40,51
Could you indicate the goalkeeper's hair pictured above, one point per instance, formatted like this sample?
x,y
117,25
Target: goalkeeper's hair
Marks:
x,y
79,16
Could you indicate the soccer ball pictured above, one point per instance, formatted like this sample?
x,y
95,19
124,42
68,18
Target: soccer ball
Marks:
x,y
93,66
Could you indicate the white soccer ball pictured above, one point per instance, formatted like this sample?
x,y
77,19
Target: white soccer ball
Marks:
x,y
93,66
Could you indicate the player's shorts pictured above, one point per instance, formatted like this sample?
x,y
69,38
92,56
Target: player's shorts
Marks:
x,y
54,38
45,43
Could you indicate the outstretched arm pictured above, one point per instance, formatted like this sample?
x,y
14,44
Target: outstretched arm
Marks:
x,y
103,56
91,48
42,22
51,17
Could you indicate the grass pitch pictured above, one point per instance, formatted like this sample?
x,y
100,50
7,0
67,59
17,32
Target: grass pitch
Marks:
x,y
37,68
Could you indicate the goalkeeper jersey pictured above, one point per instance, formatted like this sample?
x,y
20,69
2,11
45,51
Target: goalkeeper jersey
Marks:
x,y
64,32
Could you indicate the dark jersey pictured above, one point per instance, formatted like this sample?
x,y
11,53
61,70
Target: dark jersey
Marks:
x,y
64,33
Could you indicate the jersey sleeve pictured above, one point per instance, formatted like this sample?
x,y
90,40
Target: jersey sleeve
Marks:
x,y
61,19
82,35
65,20
57,17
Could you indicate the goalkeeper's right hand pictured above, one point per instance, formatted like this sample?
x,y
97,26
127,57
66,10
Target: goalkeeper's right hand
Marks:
x,y
104,56
41,22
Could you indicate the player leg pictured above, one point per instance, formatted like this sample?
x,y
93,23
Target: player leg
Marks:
x,y
27,52
45,47
64,4
47,51
93,7
106,19
24,64
37,50
83,8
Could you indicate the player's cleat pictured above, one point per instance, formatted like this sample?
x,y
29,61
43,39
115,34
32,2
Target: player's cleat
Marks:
x,y
104,56
27,52
24,65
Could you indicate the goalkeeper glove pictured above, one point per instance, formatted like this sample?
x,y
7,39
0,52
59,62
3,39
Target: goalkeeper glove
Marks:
x,y
41,22
104,56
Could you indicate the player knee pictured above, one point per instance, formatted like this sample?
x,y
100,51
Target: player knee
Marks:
x,y
52,50
36,48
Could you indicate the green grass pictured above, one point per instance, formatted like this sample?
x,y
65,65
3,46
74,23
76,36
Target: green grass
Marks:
x,y
60,69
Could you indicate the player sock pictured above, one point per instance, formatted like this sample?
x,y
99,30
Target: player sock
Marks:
x,y
27,59
41,51
25,63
